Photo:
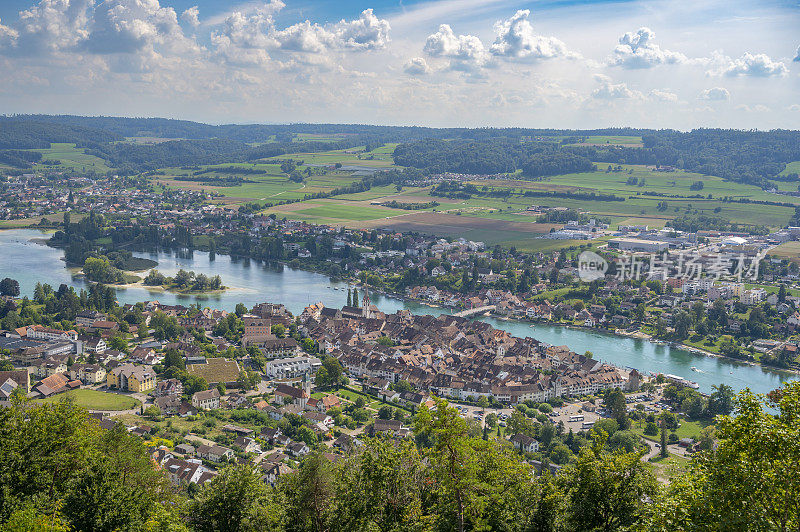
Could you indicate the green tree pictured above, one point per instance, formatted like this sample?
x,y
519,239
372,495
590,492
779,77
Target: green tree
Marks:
x,y
309,494
237,501
721,400
379,488
56,453
278,330
329,374
9,287
750,482
606,490
614,403
173,358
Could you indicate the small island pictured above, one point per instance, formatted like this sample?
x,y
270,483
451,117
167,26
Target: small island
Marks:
x,y
101,270
185,282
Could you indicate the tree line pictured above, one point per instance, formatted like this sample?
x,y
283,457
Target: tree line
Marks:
x,y
61,471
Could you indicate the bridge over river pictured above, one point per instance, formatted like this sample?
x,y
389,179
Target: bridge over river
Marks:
x,y
474,311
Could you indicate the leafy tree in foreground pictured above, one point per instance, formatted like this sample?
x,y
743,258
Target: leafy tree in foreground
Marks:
x,y
751,481
236,501
606,491
57,459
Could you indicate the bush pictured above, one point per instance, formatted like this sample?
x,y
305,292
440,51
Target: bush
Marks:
x,y
672,438
651,429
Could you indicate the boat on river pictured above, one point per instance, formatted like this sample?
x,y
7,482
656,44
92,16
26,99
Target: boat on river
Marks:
x,y
681,381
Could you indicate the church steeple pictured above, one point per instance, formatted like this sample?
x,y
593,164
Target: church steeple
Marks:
x,y
366,303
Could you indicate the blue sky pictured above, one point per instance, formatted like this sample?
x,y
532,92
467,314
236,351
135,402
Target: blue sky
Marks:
x,y
571,63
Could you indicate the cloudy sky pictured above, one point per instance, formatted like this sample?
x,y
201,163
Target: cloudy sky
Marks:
x,y
552,63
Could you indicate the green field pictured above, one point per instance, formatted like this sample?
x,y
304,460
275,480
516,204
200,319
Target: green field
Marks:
x,y
667,468
72,157
346,212
272,186
646,191
94,400
621,140
350,156
787,250
792,168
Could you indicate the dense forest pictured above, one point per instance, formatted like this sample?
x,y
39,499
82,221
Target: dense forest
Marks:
x,y
61,471
494,156
184,129
744,156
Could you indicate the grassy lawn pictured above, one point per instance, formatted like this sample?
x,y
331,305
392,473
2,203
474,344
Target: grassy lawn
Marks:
x,y
25,222
94,400
687,429
273,186
667,468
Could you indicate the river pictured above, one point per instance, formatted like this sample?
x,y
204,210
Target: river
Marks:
x,y
23,257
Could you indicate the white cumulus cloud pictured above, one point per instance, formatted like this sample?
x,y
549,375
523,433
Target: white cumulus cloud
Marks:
x,y
663,95
242,38
47,27
609,90
129,26
715,94
466,52
517,39
797,56
367,32
637,50
756,65
416,66
191,16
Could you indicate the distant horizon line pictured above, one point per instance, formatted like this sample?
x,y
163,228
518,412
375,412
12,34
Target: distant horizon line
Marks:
x,y
363,124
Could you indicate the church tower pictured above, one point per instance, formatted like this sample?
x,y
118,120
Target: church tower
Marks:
x,y
365,310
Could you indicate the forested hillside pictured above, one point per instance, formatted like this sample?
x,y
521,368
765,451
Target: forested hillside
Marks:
x,y
60,471
753,157
495,156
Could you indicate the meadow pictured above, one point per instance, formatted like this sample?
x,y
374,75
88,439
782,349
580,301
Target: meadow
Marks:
x,y
95,400
792,168
378,158
71,157
612,140
272,186
498,219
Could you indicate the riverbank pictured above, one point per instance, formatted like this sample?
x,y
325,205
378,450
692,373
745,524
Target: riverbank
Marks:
x,y
638,334
253,282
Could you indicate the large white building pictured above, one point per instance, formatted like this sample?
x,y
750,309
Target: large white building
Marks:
x,y
286,368
638,244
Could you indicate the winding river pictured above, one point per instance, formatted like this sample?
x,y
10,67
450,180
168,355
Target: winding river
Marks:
x,y
25,258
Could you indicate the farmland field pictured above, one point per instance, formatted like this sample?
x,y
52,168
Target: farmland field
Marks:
x,y
611,140
72,157
348,212
787,250
792,168
652,197
381,157
274,185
